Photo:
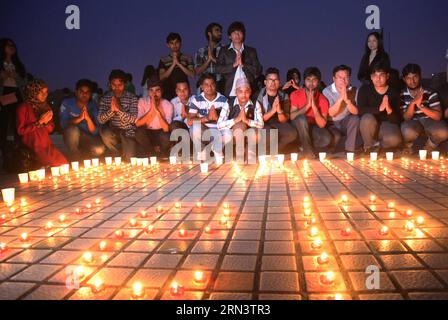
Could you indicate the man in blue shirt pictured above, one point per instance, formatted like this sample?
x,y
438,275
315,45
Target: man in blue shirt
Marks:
x,y
79,120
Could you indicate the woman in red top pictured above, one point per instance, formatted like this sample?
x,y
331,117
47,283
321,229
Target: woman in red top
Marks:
x,y
35,123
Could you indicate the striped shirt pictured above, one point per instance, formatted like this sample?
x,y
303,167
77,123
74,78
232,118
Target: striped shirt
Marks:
x,y
201,106
430,100
123,119
201,57
232,109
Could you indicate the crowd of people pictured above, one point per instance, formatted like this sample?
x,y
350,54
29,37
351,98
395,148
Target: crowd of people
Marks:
x,y
387,112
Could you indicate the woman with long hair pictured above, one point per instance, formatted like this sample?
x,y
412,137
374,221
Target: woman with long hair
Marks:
x,y
35,123
12,81
374,54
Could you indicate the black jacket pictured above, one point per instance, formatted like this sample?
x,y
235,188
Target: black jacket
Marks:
x,y
252,67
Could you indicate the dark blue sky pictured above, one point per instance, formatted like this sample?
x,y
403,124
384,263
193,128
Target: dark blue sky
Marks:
x,y
131,34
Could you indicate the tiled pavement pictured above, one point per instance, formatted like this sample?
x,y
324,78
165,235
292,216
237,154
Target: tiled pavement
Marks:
x,y
263,247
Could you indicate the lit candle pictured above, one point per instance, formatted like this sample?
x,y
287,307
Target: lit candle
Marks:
x,y
420,220
159,209
96,162
119,234
176,289
98,285
384,231
98,201
87,164
49,225
23,178
143,214
3,247
223,220
391,205
372,198
346,232
226,205
314,232
87,257
183,232
227,212
316,244
344,198
327,278
409,213
108,161
117,161
24,237
55,171
133,222
307,213
149,229
79,211
75,166
137,290
323,258
199,204
80,273
409,226
23,202
178,205
208,229
8,196
103,245
3,217
61,218
199,277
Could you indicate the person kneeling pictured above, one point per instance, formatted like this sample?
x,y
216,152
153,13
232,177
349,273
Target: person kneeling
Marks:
x,y
153,122
239,115
35,123
79,120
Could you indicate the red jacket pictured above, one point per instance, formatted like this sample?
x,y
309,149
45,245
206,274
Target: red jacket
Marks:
x,y
37,138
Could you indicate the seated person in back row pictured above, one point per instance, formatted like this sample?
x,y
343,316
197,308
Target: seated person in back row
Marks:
x,y
309,111
276,107
79,120
379,109
422,112
204,113
343,110
155,115
180,104
118,113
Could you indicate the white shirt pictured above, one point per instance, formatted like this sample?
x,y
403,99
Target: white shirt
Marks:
x,y
239,71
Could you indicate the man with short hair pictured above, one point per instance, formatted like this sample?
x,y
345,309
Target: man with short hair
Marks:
x,y
174,68
422,112
276,107
204,111
155,115
181,106
343,110
309,111
118,113
379,109
79,120
237,61
206,57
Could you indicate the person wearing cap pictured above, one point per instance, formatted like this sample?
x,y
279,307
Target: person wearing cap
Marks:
x,y
155,115
240,114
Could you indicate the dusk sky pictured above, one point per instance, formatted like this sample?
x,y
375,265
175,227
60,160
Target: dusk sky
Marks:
x,y
131,34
